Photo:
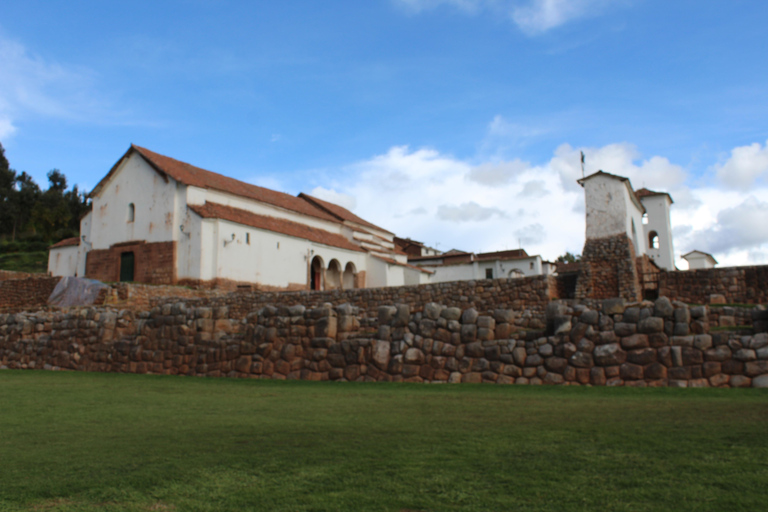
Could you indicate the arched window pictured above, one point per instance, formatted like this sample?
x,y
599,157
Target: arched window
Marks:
x,y
131,212
645,218
653,240
348,281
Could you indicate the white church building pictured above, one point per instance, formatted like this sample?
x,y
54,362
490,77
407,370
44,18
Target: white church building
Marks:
x,y
155,219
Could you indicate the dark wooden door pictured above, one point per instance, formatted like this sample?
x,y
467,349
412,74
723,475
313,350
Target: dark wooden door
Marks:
x,y
127,263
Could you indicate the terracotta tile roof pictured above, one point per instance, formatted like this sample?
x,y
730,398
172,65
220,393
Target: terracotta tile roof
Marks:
x,y
395,262
197,177
67,242
644,192
339,212
498,255
286,227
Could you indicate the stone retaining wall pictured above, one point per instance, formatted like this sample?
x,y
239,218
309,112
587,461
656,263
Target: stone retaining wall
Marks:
x,y
29,292
657,343
746,285
530,293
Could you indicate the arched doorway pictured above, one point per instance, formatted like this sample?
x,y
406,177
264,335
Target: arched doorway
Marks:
x,y
516,274
333,275
316,274
348,280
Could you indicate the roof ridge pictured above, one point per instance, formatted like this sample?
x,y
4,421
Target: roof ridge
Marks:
x,y
192,175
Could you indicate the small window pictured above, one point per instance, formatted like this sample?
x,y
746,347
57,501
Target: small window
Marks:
x,y
531,265
489,273
278,245
248,238
131,212
645,218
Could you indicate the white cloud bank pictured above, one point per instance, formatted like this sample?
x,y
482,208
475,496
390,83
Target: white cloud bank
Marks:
x,y
494,205
531,16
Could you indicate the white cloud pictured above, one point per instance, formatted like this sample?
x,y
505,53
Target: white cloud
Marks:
x,y
467,212
746,165
531,16
497,173
656,173
33,86
343,200
541,15
534,188
6,128
438,199
741,227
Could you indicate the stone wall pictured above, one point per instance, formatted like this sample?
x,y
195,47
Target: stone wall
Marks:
x,y
154,263
27,292
611,343
6,275
531,294
746,285
608,269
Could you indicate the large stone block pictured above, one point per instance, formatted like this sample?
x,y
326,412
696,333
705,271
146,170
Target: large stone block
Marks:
x,y
609,355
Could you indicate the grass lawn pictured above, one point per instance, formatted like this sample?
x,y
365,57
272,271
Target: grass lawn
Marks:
x,y
25,261
79,441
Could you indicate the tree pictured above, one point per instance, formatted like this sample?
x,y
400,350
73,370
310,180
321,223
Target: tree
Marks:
x,y
27,193
568,258
7,190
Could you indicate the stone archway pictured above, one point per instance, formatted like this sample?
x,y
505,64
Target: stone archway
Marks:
x,y
348,279
333,275
316,281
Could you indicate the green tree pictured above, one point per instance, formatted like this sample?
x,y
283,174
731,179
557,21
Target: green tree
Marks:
x,y
568,258
7,190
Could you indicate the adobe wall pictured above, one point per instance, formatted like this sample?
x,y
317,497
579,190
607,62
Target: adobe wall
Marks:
x,y
26,292
609,343
7,275
739,285
154,263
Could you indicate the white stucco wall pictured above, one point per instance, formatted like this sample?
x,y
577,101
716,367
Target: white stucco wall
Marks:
x,y
699,261
199,196
611,211
62,261
263,257
531,266
657,208
154,201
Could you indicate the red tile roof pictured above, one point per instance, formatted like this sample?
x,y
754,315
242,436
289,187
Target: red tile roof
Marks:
x,y
395,262
340,213
197,177
286,227
67,242
644,192
499,255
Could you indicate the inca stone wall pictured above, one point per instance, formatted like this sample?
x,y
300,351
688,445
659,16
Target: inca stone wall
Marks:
x,y
608,269
659,343
530,294
747,285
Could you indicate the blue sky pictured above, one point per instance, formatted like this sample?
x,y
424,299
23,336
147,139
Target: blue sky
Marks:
x,y
455,122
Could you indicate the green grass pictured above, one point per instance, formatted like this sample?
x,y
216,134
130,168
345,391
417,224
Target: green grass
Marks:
x,y
25,261
79,442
